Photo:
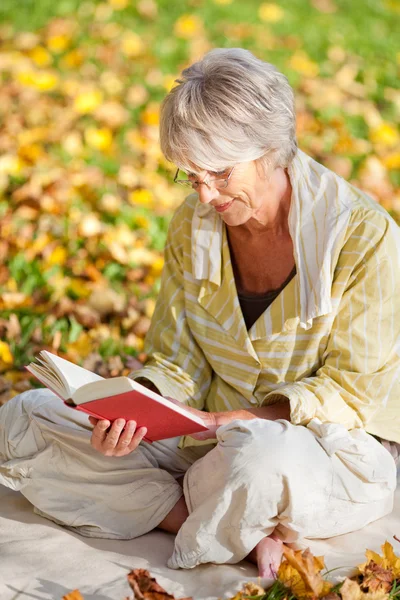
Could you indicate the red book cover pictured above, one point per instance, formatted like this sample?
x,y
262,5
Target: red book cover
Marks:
x,y
161,421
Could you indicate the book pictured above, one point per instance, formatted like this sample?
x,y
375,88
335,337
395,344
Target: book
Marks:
x,y
113,398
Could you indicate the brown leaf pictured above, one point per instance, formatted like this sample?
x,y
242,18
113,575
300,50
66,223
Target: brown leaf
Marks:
x,y
376,578
350,590
146,587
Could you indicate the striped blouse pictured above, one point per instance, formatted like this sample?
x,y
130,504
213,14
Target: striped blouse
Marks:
x,y
329,342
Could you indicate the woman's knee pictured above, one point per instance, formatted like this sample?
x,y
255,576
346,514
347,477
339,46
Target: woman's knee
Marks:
x,y
268,447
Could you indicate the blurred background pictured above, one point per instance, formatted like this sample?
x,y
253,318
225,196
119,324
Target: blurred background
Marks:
x,y
85,194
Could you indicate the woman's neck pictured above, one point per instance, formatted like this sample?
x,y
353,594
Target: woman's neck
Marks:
x,y
273,217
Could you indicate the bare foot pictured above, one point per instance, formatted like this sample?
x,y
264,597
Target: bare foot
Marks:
x,y
267,556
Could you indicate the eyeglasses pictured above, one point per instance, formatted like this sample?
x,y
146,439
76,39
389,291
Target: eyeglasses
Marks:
x,y
218,182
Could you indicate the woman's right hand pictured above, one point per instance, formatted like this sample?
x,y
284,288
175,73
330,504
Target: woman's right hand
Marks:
x,y
115,440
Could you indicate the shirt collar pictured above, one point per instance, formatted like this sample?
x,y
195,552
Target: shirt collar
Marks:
x,y
318,219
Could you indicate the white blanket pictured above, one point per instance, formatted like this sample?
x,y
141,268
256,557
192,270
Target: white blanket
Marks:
x,y
40,560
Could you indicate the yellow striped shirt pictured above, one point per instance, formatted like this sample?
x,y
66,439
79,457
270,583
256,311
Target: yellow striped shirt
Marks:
x,y
329,342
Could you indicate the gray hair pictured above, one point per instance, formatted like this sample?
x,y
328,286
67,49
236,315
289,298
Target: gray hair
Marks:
x,y
227,108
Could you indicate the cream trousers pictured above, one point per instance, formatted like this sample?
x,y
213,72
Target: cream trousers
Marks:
x,y
263,476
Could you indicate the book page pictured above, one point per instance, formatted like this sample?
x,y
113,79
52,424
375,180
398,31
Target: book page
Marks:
x,y
72,376
49,378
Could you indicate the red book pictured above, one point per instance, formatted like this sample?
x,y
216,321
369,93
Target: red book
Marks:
x,y
117,397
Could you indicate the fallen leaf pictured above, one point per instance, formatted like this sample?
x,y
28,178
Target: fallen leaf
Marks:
x,y
388,560
350,590
376,578
75,595
146,587
304,573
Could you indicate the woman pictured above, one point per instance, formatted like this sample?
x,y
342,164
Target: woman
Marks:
x,y
276,321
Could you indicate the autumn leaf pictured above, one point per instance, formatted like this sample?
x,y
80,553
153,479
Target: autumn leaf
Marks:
x,y
388,560
376,578
75,595
350,590
300,571
146,587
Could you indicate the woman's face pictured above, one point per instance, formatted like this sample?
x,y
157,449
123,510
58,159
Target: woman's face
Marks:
x,y
249,194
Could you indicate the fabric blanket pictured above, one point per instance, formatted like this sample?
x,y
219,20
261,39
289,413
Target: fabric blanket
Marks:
x,y
41,560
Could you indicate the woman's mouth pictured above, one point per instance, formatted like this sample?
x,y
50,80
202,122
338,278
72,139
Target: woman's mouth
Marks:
x,y
223,207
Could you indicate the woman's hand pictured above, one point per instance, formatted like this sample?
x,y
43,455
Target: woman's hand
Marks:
x,y
115,440
209,420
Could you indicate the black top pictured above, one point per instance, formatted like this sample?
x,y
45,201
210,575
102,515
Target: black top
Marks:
x,y
254,305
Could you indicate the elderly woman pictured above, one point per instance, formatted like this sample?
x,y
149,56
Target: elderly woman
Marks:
x,y
277,321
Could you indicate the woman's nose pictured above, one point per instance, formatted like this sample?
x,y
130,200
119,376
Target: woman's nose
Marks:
x,y
206,194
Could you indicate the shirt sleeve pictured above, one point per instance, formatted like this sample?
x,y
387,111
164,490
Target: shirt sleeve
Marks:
x,y
176,364
362,360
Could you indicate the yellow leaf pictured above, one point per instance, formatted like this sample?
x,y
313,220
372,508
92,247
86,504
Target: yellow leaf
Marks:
x,y
81,348
142,222
42,81
389,560
385,134
270,13
292,579
151,115
141,198
58,43
223,2
392,161
188,27
169,82
73,59
58,256
118,4
88,101
157,266
40,56
6,356
132,45
305,573
302,64
99,138
10,165
79,288
149,306
30,152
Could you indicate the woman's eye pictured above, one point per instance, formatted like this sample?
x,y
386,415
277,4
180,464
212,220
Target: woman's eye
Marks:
x,y
219,173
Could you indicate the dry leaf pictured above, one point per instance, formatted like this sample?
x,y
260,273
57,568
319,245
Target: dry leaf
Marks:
x,y
376,578
146,587
75,595
350,590
389,560
301,572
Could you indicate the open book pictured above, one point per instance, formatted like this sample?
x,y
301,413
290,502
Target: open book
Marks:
x,y
117,397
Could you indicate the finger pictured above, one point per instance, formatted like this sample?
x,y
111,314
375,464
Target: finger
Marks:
x,y
100,431
137,438
112,437
126,435
93,420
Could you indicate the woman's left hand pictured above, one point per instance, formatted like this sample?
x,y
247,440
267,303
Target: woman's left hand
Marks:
x,y
209,420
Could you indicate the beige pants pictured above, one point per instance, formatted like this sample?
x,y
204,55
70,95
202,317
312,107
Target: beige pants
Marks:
x,y
263,476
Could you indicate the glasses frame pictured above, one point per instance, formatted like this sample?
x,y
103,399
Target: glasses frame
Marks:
x,y
196,184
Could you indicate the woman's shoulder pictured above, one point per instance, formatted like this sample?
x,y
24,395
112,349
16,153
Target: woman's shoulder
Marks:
x,y
371,229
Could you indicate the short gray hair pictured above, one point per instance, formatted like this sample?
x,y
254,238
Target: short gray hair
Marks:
x,y
227,108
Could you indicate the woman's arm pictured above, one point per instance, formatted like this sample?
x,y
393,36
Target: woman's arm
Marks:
x,y
176,366
359,374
